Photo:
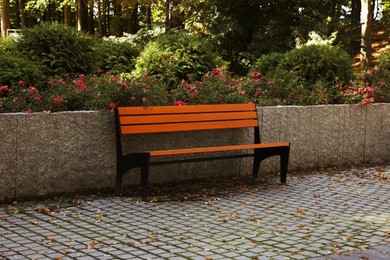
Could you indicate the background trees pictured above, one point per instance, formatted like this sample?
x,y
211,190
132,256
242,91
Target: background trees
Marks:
x,y
242,29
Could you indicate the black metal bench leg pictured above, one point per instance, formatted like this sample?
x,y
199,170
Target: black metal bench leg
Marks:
x,y
118,184
256,166
283,165
144,181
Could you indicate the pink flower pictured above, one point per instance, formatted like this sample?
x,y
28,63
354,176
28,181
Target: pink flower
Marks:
x,y
216,73
57,99
5,89
100,71
37,98
255,74
132,98
368,100
61,81
21,83
112,105
29,111
144,100
179,103
32,90
108,73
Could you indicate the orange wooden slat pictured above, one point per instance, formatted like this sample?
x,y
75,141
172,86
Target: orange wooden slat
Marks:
x,y
181,118
185,109
218,149
165,128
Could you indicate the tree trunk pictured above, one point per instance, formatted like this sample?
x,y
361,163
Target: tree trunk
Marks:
x,y
91,22
5,19
168,16
81,17
366,34
148,15
100,18
67,15
17,17
134,20
355,13
23,19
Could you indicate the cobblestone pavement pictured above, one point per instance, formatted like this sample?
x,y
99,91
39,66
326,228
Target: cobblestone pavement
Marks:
x,y
317,215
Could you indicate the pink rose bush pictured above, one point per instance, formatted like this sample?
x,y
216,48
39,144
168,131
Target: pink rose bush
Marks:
x,y
106,91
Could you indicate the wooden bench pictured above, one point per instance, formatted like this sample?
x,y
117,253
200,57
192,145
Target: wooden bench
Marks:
x,y
162,119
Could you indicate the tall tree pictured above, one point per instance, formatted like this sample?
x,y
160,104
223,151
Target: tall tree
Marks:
x,y
355,13
82,10
22,14
67,15
133,22
366,34
91,22
5,18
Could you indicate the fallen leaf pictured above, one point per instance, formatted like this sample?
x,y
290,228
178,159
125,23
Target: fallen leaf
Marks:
x,y
92,244
336,252
384,252
52,240
45,211
101,216
300,212
255,219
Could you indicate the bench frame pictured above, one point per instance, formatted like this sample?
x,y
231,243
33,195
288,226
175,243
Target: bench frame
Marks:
x,y
161,119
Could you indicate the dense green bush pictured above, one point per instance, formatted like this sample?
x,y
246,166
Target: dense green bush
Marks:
x,y
14,68
311,72
116,55
176,55
60,49
313,63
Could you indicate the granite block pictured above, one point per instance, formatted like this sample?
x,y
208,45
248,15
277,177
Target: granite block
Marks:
x,y
351,135
8,155
325,122
33,154
377,149
83,151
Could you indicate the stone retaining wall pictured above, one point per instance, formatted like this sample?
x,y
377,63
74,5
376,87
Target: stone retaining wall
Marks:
x,y
45,154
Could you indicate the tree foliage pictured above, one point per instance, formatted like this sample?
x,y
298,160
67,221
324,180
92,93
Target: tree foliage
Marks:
x,y
243,29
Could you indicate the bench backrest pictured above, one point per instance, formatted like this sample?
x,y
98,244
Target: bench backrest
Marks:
x,y
162,119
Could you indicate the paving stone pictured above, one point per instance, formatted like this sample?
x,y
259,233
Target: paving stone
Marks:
x,y
302,220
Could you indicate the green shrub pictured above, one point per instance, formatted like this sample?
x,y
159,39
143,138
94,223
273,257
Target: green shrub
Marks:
x,y
15,68
310,73
384,60
268,63
176,55
60,49
313,63
116,55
